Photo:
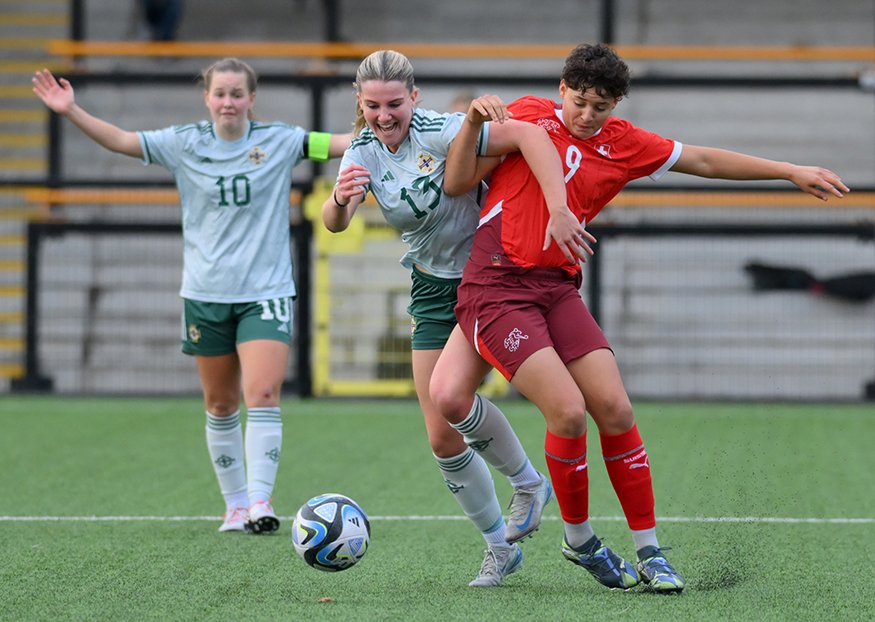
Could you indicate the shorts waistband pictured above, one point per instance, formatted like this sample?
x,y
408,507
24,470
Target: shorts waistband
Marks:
x,y
419,275
547,274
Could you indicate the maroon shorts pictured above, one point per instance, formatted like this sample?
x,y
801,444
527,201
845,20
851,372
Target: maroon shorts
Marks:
x,y
510,319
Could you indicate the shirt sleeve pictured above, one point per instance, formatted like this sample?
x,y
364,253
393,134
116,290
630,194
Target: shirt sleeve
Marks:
x,y
160,147
530,108
654,155
672,159
452,126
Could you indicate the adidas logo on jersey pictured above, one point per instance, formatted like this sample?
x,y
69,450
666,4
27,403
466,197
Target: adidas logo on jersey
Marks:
x,y
388,177
283,328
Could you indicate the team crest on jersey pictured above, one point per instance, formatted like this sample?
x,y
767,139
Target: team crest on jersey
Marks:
x,y
551,125
425,162
257,155
194,334
604,149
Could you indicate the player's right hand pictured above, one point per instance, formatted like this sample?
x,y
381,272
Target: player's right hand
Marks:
x,y
488,108
58,96
351,182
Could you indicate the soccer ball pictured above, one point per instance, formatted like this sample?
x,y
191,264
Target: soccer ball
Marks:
x,y
331,532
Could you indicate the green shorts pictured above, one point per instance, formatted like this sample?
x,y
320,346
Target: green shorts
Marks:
x,y
215,328
431,308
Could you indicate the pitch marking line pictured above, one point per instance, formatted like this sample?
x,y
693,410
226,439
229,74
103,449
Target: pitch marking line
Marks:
x,y
660,519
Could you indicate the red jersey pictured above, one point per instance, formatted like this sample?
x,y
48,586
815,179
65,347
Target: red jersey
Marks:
x,y
514,218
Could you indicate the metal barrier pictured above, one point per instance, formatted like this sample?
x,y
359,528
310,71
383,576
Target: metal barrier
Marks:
x,y
35,377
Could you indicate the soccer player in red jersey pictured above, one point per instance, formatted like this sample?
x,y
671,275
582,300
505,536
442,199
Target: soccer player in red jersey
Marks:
x,y
519,304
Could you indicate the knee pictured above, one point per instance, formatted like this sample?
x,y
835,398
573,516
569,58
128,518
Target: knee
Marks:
x,y
219,407
262,395
451,401
614,416
568,418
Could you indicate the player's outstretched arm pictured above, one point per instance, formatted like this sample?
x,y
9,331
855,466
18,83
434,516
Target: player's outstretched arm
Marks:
x,y
58,97
724,164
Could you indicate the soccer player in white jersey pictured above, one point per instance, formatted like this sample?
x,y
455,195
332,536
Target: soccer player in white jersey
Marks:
x,y
398,155
234,177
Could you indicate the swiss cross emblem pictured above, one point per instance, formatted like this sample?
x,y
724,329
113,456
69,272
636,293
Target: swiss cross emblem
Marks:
x,y
605,150
550,125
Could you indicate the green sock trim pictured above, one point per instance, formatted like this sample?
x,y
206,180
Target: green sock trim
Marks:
x,y
223,423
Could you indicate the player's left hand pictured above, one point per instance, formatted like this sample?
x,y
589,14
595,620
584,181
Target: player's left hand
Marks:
x,y
818,181
570,236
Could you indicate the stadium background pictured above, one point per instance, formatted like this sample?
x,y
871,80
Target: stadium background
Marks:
x,y
785,80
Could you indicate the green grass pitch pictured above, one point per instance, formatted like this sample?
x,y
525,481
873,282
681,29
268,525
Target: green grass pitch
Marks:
x,y
109,510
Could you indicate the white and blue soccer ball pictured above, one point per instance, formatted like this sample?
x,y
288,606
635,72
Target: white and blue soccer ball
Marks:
x,y
331,532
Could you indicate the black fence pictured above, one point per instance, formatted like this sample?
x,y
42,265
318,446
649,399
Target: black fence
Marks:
x,y
36,380
595,288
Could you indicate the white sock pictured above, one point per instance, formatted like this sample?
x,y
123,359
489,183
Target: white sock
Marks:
x,y
264,441
488,432
225,444
645,537
497,537
468,478
576,535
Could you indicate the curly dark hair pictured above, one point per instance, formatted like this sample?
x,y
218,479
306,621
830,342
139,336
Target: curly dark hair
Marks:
x,y
596,67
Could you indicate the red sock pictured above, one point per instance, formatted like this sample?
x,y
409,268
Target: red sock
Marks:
x,y
566,461
629,470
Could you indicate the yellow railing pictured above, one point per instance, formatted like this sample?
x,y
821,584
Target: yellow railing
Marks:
x,y
758,200
327,245
280,49
45,200
101,196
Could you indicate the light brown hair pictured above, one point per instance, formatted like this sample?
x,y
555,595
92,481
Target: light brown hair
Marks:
x,y
386,66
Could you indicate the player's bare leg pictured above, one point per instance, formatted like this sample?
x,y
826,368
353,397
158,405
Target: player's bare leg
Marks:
x,y
220,380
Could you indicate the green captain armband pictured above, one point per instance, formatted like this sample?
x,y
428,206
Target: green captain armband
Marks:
x,y
317,144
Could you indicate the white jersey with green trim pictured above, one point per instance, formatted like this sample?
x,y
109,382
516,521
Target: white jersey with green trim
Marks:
x,y
408,186
235,207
